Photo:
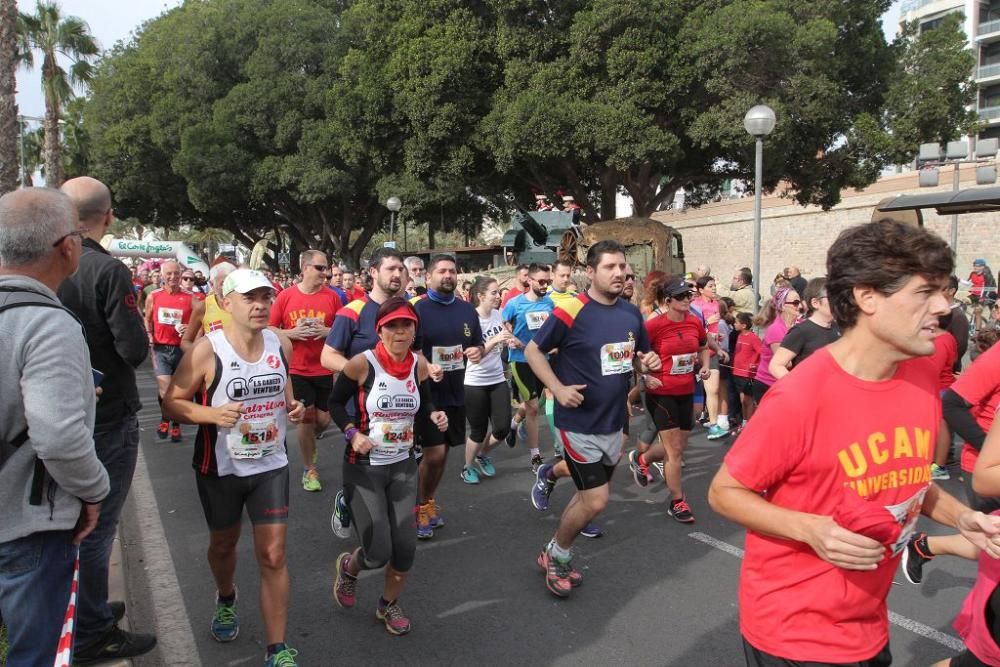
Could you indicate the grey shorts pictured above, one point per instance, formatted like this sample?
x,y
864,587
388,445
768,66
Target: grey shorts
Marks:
x,y
591,458
166,359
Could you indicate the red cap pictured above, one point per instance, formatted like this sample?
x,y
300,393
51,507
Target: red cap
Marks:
x,y
402,313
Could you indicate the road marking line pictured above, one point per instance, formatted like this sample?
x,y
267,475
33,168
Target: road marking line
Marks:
x,y
466,607
913,626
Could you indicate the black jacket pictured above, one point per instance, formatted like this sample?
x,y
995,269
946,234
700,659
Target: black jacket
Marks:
x,y
101,294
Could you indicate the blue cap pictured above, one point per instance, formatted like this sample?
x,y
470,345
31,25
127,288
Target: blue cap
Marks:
x,y
979,262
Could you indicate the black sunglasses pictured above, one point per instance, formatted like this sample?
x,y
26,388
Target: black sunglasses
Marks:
x,y
322,268
793,302
629,276
543,283
187,278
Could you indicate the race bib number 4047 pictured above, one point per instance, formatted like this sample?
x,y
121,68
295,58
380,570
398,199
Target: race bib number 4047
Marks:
x,y
616,358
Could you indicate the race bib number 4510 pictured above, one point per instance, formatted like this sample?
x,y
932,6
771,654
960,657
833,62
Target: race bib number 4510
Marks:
x,y
616,358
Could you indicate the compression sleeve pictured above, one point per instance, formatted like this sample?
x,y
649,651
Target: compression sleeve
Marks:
x,y
344,390
426,403
960,420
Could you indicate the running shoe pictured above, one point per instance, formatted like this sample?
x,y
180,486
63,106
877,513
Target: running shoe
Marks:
x,y
703,418
484,465
640,471
434,514
914,558
592,530
225,622
395,620
939,473
163,430
340,520
283,658
512,437
542,488
175,432
716,432
424,530
556,574
681,511
575,577
659,466
469,475
345,585
536,462
310,480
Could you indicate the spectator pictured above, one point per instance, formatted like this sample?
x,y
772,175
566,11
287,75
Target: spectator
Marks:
x,y
795,279
984,285
741,291
415,266
51,481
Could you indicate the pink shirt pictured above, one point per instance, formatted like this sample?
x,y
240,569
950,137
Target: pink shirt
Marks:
x,y
774,334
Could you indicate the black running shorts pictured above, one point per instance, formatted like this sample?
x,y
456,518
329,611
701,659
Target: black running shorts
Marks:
x,y
670,412
453,437
757,658
313,391
265,495
528,386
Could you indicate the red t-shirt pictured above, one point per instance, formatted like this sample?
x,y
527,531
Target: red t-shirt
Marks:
x,y
945,355
169,310
869,439
747,354
978,281
514,291
979,385
677,344
293,304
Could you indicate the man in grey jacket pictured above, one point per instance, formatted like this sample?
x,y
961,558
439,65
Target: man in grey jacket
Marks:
x,y
101,294
51,486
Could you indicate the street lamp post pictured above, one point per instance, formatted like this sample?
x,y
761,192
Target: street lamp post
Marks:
x,y
759,122
393,204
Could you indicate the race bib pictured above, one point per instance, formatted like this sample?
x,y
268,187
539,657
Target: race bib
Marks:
x,y
682,364
252,440
616,358
535,319
906,513
448,358
170,316
391,439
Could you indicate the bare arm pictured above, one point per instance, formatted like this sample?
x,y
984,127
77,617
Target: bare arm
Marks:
x,y
194,325
332,359
781,362
196,371
978,528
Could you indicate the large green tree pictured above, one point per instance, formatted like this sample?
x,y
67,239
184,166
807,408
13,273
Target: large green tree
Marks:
x,y
53,36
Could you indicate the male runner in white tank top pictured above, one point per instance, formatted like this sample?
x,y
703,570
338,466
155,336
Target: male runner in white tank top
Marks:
x,y
241,376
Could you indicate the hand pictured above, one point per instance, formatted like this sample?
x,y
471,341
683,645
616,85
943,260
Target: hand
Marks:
x,y
227,415
723,356
705,372
515,343
361,443
97,392
473,354
440,419
650,361
653,382
87,522
181,328
839,546
296,411
982,530
436,372
569,396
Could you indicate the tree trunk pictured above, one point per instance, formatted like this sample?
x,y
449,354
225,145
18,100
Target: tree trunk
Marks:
x,y
10,129
53,157
609,195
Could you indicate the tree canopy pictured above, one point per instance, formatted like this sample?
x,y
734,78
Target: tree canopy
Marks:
x,y
305,115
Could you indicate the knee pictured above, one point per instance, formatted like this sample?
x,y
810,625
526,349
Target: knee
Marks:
x,y
501,431
221,548
374,559
597,502
271,557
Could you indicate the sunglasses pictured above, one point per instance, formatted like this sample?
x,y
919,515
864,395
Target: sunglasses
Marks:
x,y
543,283
629,276
191,278
683,297
75,232
793,302
322,268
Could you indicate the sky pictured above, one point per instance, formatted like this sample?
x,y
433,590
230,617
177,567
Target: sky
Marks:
x,y
114,20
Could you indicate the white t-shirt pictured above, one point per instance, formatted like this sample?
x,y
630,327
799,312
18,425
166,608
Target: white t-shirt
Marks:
x,y
490,369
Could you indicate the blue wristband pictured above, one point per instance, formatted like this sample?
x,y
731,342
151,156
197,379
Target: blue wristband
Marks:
x,y
350,433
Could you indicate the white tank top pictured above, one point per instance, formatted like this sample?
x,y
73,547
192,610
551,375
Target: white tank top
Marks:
x,y
390,407
257,443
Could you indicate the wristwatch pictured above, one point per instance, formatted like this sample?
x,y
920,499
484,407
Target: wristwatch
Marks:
x,y
350,433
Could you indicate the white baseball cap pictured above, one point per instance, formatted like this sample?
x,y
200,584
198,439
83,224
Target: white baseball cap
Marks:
x,y
245,280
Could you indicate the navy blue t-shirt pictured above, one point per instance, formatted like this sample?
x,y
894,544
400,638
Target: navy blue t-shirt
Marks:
x,y
444,332
353,329
596,346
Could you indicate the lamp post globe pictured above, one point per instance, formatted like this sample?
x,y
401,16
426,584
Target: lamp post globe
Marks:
x,y
393,204
760,120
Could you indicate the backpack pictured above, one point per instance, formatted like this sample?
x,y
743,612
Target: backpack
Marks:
x,y
22,297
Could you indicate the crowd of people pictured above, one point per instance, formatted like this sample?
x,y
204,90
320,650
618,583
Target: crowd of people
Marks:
x,y
408,364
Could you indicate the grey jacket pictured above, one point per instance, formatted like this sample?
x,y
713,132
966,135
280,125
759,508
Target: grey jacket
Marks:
x,y
47,386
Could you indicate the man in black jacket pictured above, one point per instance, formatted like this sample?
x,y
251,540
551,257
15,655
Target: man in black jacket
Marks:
x,y
101,294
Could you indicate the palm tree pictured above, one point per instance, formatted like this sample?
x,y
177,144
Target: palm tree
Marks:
x,y
209,238
8,89
51,34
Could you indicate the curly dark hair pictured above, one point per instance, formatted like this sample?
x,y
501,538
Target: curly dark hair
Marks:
x,y
881,255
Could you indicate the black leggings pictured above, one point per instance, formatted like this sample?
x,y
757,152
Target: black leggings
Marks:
x,y
485,404
383,501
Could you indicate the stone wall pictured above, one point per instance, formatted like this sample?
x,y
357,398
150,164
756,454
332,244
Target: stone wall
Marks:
x,y
720,235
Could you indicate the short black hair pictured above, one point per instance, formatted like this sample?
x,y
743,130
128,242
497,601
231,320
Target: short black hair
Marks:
x,y
746,275
382,254
440,257
521,267
601,248
537,268
953,282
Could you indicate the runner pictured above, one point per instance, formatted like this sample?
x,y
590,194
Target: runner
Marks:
x,y
303,314
336,282
240,457
448,333
167,314
599,337
487,395
389,389
827,519
189,281
746,358
352,333
777,317
521,285
707,302
813,333
524,315
209,315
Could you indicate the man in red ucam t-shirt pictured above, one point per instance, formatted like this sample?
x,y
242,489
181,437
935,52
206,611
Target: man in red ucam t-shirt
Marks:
x,y
303,313
830,489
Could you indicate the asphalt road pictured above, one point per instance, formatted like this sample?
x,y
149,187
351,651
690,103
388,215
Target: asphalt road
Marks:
x,y
655,592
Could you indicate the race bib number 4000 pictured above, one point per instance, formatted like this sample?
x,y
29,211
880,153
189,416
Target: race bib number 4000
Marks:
x,y
252,440
616,358
448,358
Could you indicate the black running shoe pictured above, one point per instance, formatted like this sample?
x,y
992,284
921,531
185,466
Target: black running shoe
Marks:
x,y
114,645
914,557
680,511
117,609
